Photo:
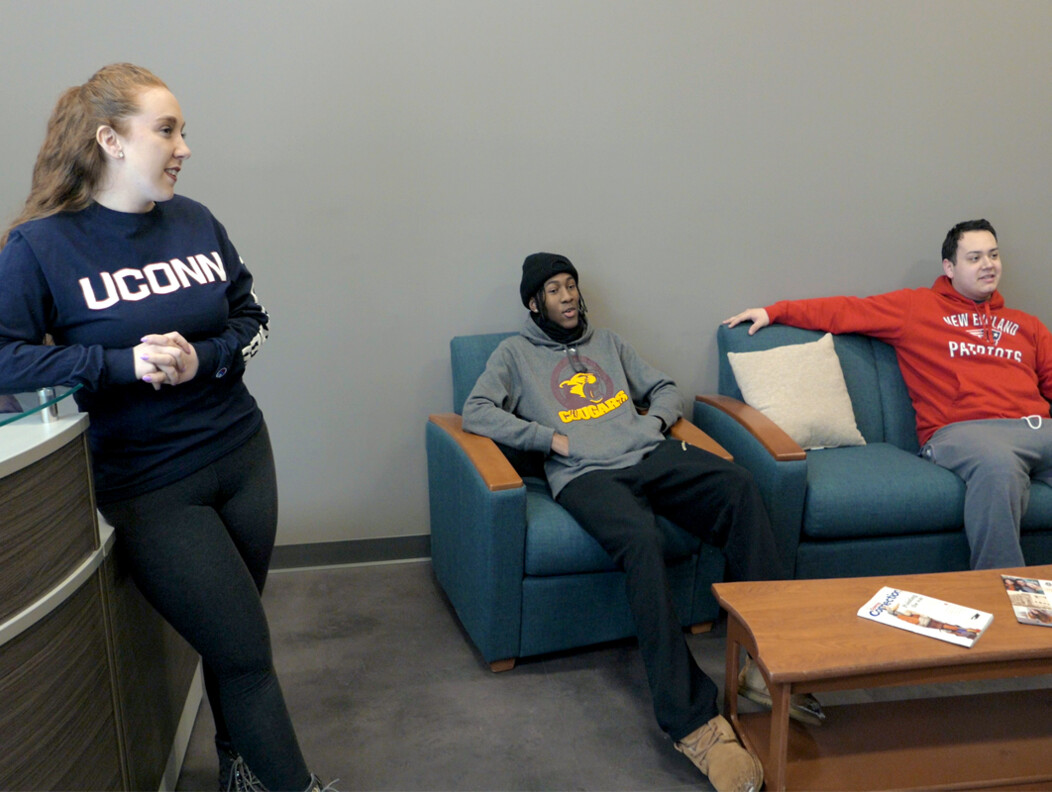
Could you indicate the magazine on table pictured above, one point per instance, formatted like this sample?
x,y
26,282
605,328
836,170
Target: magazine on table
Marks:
x,y
924,615
1031,599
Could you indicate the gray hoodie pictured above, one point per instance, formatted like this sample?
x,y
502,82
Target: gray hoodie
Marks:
x,y
534,387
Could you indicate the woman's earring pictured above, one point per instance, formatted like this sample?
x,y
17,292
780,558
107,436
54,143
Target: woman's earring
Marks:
x,y
120,155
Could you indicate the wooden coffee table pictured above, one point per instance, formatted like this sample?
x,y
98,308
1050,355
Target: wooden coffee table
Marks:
x,y
806,637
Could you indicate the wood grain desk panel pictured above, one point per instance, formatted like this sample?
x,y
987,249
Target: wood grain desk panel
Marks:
x,y
47,527
95,688
58,727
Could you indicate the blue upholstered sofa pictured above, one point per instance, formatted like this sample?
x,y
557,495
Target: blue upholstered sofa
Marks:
x,y
523,577
862,510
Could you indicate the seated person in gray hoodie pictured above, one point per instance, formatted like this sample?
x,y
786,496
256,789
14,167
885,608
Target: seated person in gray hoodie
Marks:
x,y
570,391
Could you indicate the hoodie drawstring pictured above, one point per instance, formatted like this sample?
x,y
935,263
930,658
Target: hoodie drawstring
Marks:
x,y
988,333
576,363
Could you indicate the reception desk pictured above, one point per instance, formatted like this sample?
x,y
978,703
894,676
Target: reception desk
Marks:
x,y
96,691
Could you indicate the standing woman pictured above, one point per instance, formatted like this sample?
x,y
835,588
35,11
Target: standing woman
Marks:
x,y
152,312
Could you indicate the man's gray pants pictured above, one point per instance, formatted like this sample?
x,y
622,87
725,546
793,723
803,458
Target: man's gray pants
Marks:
x,y
997,459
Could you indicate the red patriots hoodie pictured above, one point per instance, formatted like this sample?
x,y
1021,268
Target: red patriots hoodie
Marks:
x,y
961,360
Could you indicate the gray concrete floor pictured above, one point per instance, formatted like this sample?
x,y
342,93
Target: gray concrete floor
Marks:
x,y
387,693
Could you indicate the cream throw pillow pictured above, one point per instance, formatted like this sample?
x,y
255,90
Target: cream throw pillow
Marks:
x,y
801,388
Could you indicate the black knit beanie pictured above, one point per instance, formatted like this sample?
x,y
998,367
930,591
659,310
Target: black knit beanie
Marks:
x,y
537,269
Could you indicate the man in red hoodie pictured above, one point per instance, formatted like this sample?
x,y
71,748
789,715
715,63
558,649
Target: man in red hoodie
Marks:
x,y
979,375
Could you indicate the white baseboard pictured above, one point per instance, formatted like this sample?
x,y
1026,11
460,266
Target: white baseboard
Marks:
x,y
181,741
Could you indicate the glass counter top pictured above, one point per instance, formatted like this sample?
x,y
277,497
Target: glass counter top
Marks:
x,y
37,406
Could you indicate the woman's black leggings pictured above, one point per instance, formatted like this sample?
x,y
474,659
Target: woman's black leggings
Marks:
x,y
199,550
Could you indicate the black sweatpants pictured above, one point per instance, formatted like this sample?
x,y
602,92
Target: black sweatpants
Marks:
x,y
705,495
199,550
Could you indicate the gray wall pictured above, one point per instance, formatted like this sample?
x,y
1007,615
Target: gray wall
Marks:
x,y
384,167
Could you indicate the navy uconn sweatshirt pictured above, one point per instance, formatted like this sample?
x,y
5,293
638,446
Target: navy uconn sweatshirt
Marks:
x,y
98,281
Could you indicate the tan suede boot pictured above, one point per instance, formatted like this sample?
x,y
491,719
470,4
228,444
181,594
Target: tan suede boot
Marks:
x,y
803,707
718,754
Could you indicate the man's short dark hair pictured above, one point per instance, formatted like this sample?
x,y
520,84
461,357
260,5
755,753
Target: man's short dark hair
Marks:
x,y
949,245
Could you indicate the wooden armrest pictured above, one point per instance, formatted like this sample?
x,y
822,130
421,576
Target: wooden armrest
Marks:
x,y
687,432
495,469
771,436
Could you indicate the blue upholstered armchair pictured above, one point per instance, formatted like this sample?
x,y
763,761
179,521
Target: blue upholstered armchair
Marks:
x,y
523,577
860,510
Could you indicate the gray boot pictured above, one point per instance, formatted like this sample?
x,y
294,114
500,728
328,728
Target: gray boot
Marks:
x,y
316,785
234,775
226,753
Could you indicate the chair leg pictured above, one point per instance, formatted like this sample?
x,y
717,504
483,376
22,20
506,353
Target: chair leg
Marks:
x,y
503,665
698,629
